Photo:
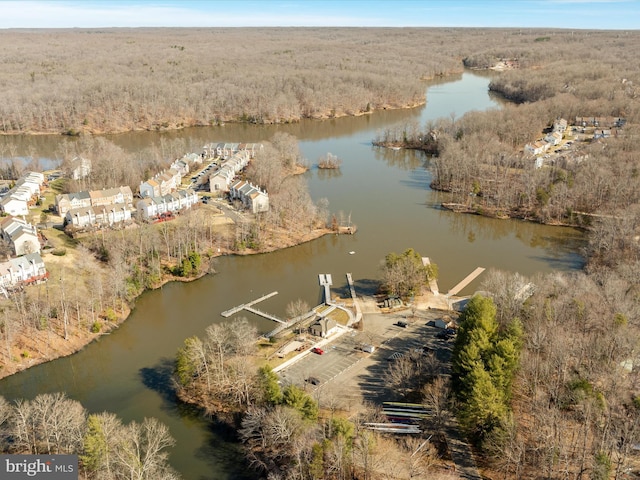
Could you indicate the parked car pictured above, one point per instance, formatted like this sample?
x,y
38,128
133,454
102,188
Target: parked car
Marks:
x,y
317,350
313,381
368,348
446,334
402,323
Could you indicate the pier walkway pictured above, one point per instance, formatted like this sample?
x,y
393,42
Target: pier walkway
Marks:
x,y
465,281
246,306
326,282
356,303
264,314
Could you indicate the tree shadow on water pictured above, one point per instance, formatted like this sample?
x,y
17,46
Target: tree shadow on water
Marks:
x,y
159,378
220,448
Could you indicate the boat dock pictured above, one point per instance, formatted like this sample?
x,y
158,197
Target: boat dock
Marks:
x,y
264,314
466,281
247,306
326,282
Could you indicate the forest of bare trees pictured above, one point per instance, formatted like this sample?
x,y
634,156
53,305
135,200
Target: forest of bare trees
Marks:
x,y
61,82
573,410
107,448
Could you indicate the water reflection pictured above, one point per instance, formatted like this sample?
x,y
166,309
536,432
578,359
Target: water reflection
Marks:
x,y
387,193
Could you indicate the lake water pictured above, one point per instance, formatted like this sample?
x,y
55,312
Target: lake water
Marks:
x,y
387,195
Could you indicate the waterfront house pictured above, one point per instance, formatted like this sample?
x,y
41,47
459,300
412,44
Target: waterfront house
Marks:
x,y
80,168
252,197
226,150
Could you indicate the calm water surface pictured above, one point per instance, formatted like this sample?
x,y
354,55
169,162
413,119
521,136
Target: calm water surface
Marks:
x,y
385,192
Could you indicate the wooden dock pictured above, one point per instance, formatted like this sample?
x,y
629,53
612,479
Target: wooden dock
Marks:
x,y
234,310
466,281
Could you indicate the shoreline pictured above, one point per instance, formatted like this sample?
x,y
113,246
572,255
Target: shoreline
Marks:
x,y
78,343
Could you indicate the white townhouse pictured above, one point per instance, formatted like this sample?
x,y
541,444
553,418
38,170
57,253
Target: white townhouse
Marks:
x,y
220,180
14,206
21,235
553,138
26,269
251,196
80,168
161,184
98,216
151,207
16,201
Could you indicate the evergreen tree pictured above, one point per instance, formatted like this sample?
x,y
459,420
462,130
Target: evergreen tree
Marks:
x,y
485,360
269,385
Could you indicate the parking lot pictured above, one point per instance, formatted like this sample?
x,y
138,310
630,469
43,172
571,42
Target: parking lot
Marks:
x,y
347,374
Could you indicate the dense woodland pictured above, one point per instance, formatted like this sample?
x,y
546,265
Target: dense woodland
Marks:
x,y
544,380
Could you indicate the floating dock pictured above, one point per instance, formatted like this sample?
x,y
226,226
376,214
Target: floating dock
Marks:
x,y
246,306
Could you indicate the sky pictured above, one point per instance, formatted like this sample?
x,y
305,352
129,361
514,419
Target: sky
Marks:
x,y
571,14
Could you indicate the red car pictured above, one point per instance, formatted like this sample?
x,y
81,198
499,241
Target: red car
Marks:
x,y
317,350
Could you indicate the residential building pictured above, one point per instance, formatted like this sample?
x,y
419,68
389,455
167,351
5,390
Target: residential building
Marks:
x,y
16,200
27,269
560,125
323,327
14,206
161,184
152,207
69,201
252,197
221,179
536,148
182,165
553,138
21,235
80,217
109,196
150,188
80,168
